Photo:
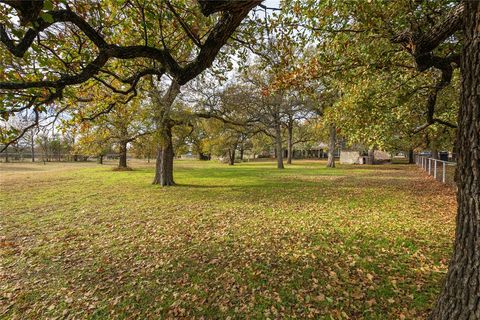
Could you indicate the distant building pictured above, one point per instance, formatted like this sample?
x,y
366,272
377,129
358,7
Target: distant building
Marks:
x,y
361,157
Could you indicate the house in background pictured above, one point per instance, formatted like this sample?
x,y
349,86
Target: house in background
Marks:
x,y
362,157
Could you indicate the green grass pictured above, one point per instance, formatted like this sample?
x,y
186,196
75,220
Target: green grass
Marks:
x,y
248,241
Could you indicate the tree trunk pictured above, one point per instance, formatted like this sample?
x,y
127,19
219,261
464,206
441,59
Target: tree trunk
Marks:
x,y
332,141
165,154
231,156
202,156
32,146
460,296
371,156
278,145
241,153
411,159
290,142
164,164
122,162
434,153
100,159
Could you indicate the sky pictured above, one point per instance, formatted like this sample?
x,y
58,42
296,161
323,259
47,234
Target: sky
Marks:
x,y
272,3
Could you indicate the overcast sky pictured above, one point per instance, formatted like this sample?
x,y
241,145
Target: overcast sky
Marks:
x,y
272,3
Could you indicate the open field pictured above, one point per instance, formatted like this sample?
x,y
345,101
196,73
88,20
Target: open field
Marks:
x,y
249,241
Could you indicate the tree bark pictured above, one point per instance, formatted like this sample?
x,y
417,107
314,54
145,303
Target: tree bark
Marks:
x,y
165,153
241,153
231,155
204,157
100,159
332,141
460,296
371,156
164,164
290,142
434,153
32,146
122,162
411,159
278,145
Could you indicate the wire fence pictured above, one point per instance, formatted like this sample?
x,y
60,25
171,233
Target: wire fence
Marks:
x,y
49,157
442,171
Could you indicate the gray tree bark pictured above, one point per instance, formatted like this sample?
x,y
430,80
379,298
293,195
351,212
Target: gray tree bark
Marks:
x,y
231,155
434,153
122,162
460,296
371,156
411,159
290,141
165,153
164,163
32,146
278,144
332,141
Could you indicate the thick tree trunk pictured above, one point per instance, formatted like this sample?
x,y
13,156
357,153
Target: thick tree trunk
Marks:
x,y
165,153
290,142
100,159
434,153
332,141
460,297
278,145
411,159
241,153
164,164
122,162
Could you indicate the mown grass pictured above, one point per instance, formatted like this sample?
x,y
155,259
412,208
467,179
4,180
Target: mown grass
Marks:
x,y
249,241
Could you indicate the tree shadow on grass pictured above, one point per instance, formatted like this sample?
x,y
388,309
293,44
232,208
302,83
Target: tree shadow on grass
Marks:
x,y
199,186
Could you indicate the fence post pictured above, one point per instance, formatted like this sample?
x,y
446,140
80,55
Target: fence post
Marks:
x,y
429,166
435,169
443,173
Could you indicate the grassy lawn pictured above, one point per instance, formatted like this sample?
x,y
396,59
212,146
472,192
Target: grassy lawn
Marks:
x,y
249,241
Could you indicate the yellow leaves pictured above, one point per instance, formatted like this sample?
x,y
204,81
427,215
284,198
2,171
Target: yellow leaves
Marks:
x,y
236,245
320,297
371,302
